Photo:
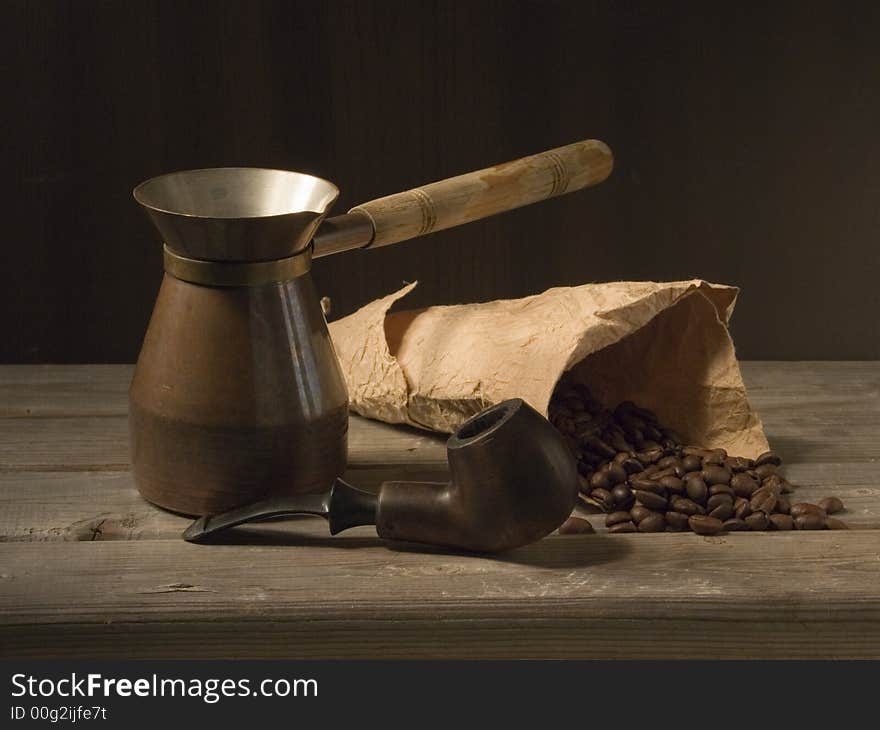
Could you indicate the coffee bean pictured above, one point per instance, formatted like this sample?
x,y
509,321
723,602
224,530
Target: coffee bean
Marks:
x,y
600,447
649,456
721,489
617,473
831,505
809,521
805,508
696,451
734,524
647,485
782,522
763,500
601,480
652,433
615,518
631,465
653,523
650,499
716,475
575,526
584,483
696,489
705,525
603,497
686,506
774,481
672,484
628,420
692,463
722,512
768,457
677,520
742,508
619,442
832,523
622,527
639,512
765,503
623,496
743,485
757,521
738,463
718,499
582,419
558,410
627,460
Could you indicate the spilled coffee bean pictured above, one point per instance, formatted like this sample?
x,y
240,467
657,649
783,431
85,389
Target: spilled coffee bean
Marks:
x,y
704,525
782,522
653,523
615,518
831,505
809,521
647,480
575,526
623,527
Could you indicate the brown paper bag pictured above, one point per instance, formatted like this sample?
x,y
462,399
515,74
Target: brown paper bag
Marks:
x,y
664,346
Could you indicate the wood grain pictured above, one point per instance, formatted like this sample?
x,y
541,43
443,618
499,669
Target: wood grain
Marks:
x,y
100,443
813,413
122,577
483,193
639,596
105,505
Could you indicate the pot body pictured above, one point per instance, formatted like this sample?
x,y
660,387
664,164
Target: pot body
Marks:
x,y
237,395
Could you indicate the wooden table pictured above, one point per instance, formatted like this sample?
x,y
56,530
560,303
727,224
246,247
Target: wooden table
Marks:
x,y
88,569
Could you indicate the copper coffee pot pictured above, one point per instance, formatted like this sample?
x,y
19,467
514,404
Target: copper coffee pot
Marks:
x,y
237,394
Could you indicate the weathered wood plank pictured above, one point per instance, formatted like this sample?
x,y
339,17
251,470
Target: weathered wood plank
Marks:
x,y
81,390
64,390
581,596
64,477
70,506
812,412
100,443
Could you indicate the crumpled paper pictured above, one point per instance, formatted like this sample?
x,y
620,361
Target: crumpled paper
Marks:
x,y
664,346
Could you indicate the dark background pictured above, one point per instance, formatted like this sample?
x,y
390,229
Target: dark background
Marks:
x,y
746,143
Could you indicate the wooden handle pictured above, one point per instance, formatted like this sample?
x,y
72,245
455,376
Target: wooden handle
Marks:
x,y
480,194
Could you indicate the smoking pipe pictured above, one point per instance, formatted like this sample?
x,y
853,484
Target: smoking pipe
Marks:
x,y
513,481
